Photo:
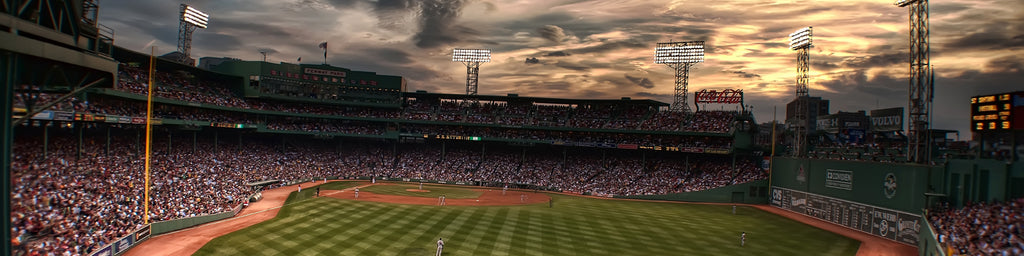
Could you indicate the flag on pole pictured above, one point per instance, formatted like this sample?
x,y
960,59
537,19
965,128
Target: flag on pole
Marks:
x,y
324,46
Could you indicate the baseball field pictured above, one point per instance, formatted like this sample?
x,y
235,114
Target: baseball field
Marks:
x,y
401,219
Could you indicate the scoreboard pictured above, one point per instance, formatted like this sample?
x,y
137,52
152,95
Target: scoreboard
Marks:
x,y
999,112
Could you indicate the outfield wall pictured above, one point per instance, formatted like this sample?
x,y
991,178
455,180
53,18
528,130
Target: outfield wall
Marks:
x,y
882,199
929,244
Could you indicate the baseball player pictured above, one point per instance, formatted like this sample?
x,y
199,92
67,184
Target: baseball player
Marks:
x,y
733,210
504,189
440,246
357,192
443,197
300,187
318,191
743,239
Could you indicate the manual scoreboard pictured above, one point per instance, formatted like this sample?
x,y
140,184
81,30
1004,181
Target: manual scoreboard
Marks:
x,y
1000,112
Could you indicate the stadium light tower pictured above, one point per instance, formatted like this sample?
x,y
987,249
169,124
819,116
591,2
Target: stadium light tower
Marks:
x,y
680,56
921,83
191,18
472,58
801,42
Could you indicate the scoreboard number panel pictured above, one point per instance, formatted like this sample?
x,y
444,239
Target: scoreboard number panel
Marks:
x,y
891,224
998,112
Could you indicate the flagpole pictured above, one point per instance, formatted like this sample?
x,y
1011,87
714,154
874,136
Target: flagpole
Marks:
x,y
771,159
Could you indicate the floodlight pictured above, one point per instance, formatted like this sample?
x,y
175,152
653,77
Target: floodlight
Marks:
x,y
680,56
190,19
472,59
679,52
902,3
471,55
801,38
195,17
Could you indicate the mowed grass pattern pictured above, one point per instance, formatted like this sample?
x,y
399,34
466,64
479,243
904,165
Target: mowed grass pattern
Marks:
x,y
435,191
575,226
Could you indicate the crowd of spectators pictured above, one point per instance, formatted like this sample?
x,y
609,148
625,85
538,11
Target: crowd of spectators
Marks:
x,y
326,126
693,142
183,87
981,228
75,200
178,86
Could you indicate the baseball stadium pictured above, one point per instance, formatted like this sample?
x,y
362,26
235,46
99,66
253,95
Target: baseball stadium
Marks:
x,y
110,150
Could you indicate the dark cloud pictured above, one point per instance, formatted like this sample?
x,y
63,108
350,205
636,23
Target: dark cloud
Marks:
x,y
640,81
990,39
880,60
532,61
437,18
551,33
823,65
744,74
557,54
1007,64
265,30
655,96
857,85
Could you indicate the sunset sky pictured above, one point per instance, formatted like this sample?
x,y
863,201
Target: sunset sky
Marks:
x,y
604,49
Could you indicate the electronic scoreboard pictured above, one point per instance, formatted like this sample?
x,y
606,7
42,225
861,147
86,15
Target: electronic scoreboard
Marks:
x,y
999,112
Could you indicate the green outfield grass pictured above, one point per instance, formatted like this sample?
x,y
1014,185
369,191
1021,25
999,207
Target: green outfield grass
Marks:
x,y
575,226
435,191
308,192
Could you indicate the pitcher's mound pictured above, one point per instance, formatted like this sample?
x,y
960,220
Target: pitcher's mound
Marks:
x,y
418,190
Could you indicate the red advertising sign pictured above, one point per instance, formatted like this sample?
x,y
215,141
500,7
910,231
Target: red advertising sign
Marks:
x,y
727,96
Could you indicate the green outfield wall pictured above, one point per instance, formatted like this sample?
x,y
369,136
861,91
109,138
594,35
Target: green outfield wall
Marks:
x,y
887,185
882,199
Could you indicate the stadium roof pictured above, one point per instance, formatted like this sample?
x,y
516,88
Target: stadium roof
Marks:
x,y
517,98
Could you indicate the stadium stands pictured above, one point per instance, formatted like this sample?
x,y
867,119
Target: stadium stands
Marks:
x,y
61,200
982,228
82,189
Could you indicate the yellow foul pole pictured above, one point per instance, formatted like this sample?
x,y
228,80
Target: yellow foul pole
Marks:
x,y
149,132
771,159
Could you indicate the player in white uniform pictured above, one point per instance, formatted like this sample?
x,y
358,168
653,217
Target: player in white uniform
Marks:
x,y
440,246
743,239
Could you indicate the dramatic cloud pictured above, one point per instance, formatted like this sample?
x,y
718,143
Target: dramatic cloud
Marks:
x,y
603,49
552,33
640,81
746,74
557,54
